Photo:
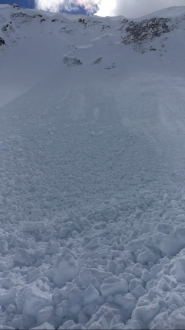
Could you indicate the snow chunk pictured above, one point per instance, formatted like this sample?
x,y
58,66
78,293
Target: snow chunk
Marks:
x,y
75,301
126,301
145,314
176,319
68,324
138,292
168,244
32,226
36,300
90,295
24,257
50,273
45,314
83,318
113,288
94,243
77,326
176,298
78,224
145,257
67,270
7,296
44,326
11,309
22,321
159,321
180,218
3,266
52,247
134,283
106,309
180,270
146,276
87,274
109,214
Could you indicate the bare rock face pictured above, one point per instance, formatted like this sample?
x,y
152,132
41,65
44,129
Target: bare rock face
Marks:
x,y
71,61
145,30
15,6
2,42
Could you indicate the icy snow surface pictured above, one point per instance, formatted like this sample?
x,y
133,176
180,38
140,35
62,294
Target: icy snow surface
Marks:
x,y
92,175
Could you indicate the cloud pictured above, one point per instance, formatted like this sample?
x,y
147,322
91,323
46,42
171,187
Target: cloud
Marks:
x,y
127,8
56,5
108,7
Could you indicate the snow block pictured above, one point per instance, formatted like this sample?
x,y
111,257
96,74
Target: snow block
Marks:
x,y
45,314
44,326
146,276
36,300
75,301
32,226
134,283
52,247
126,301
67,270
87,274
24,257
138,292
145,257
180,270
109,214
113,288
168,244
22,321
145,314
90,294
7,296
94,243
77,326
107,308
177,319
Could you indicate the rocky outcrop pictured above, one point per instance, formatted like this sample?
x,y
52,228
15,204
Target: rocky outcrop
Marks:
x,y
2,42
137,32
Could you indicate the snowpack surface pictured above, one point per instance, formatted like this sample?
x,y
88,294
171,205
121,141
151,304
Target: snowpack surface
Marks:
x,y
92,175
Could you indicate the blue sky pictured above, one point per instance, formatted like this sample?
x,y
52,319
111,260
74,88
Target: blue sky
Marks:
x,y
31,4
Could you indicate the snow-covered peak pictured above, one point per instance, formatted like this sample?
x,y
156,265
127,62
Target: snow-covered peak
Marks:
x,y
171,12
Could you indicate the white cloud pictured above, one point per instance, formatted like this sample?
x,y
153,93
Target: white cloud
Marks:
x,y
127,8
56,5
107,7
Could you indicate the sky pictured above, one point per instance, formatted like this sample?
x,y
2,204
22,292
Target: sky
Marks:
x,y
127,8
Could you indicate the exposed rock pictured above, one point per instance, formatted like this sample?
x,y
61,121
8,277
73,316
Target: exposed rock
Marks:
x,y
146,30
2,42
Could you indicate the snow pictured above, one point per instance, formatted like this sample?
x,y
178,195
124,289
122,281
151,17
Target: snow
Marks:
x,y
114,288
92,193
45,326
36,301
67,270
90,295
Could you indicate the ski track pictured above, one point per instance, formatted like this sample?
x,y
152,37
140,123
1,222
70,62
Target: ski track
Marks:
x,y
92,196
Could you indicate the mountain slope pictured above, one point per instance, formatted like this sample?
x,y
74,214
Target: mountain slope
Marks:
x,y
92,129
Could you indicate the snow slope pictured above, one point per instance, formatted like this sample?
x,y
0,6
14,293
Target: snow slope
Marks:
x,y
92,195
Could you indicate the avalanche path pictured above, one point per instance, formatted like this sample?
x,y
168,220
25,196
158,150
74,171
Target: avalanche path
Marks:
x,y
92,195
